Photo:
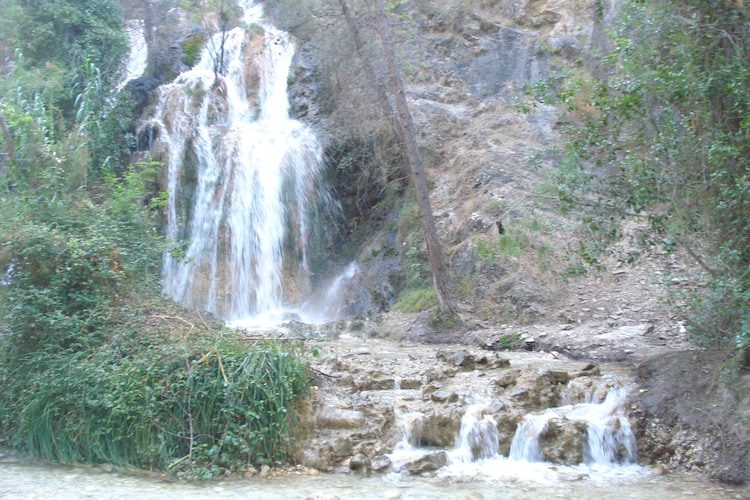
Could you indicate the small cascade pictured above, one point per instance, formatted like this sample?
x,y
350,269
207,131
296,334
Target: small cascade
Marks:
x,y
407,449
325,303
525,444
582,440
609,437
478,438
138,56
245,195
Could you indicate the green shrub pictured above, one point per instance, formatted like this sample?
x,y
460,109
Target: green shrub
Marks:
x,y
508,342
69,263
192,47
194,406
662,132
416,300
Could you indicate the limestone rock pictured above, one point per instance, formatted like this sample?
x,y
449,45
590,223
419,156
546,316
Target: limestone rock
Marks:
x,y
341,447
430,462
338,418
563,441
360,462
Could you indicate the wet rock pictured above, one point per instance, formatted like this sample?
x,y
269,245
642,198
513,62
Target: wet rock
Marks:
x,y
507,423
459,358
559,377
590,370
409,383
432,375
520,394
585,388
250,471
427,463
315,456
430,388
322,496
439,429
543,378
441,396
493,362
380,463
360,463
381,384
140,89
507,379
363,381
265,471
563,441
341,447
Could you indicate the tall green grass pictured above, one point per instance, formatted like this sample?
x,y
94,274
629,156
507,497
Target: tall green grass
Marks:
x,y
195,407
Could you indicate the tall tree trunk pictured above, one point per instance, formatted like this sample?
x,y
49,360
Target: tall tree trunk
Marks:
x,y
400,118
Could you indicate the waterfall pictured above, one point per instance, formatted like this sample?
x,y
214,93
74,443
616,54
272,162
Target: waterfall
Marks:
x,y
478,437
138,57
243,180
609,437
526,442
592,440
406,449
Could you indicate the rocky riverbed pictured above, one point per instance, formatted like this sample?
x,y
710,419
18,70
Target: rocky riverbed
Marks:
x,y
372,392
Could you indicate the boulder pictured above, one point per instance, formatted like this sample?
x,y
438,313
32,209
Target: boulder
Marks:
x,y
427,463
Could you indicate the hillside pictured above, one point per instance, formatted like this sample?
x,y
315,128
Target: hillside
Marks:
x,y
524,271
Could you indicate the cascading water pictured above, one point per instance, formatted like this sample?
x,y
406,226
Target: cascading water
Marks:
x,y
138,57
602,430
609,437
478,438
243,181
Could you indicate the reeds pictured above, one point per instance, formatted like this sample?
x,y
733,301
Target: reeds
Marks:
x,y
195,407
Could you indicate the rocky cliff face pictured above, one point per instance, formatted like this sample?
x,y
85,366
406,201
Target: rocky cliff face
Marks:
x,y
485,150
485,156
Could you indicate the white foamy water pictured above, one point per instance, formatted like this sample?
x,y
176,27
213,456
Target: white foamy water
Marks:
x,y
138,56
244,184
609,450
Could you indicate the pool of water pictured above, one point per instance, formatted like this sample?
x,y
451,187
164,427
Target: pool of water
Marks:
x,y
25,478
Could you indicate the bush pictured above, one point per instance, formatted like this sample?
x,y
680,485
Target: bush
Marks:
x,y
68,263
196,406
416,300
87,374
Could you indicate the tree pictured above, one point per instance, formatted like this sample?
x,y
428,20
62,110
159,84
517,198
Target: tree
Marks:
x,y
665,133
73,36
391,92
217,16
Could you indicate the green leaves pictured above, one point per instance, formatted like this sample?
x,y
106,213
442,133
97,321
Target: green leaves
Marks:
x,y
196,407
662,132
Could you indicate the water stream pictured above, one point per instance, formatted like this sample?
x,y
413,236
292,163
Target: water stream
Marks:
x,y
607,445
22,478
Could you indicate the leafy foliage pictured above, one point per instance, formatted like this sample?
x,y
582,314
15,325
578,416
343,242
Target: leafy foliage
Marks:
x,y
665,134
68,263
197,406
91,365
73,36
410,301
